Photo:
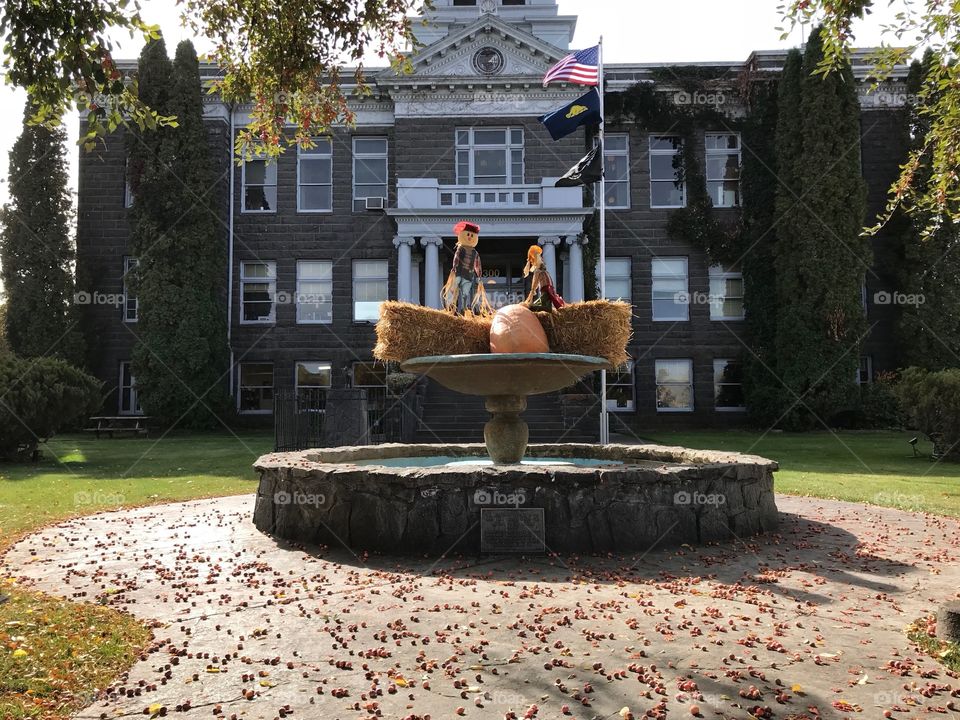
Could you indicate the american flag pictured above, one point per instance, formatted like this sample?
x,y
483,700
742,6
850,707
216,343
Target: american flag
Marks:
x,y
580,68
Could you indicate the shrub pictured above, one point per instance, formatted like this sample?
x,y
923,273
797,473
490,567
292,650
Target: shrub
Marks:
x,y
38,398
930,401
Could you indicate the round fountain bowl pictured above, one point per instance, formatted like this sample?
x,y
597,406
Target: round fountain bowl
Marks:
x,y
428,499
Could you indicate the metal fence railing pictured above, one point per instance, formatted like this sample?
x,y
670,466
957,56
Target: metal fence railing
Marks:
x,y
298,416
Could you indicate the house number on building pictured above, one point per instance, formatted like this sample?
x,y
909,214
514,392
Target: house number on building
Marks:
x,y
488,61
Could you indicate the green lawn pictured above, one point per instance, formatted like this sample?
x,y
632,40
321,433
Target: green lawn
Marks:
x,y
873,467
79,475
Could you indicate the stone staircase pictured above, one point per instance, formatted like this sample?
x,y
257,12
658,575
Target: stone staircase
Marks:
x,y
450,417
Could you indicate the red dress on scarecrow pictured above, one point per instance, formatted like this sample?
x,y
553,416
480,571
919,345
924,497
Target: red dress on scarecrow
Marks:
x,y
543,295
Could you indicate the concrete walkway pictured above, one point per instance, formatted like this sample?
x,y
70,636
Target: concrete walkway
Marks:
x,y
805,623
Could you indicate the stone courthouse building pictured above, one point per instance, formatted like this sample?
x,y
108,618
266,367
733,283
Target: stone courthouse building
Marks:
x,y
318,239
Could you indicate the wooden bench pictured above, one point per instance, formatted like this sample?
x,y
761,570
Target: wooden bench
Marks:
x,y
133,424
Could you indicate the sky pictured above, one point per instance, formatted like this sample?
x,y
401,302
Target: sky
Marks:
x,y
633,31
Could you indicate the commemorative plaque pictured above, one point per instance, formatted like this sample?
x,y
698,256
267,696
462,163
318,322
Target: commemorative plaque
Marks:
x,y
512,530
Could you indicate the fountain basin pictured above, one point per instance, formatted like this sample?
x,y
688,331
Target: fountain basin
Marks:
x,y
505,380
397,499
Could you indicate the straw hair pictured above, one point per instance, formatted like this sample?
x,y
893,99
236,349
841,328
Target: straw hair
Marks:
x,y
600,328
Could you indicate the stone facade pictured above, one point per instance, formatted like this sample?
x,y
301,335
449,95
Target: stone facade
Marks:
x,y
420,115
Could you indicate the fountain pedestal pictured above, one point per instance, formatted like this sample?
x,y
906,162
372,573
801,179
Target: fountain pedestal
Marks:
x,y
505,380
506,434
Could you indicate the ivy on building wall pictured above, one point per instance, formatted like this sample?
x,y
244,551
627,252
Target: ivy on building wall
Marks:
x,y
758,184
694,108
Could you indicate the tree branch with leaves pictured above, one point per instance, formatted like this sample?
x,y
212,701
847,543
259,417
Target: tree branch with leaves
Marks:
x,y
285,57
928,184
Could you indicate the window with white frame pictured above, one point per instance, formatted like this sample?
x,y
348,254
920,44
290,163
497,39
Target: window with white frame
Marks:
x,y
131,305
618,280
674,385
315,176
312,380
667,188
259,186
370,288
723,168
671,298
258,289
865,370
490,156
314,292
621,395
728,385
726,293
129,403
369,170
255,388
616,158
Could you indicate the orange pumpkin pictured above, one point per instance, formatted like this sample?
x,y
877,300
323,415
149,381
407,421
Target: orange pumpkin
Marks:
x,y
515,329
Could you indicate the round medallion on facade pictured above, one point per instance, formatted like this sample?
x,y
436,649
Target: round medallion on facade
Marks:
x,y
488,61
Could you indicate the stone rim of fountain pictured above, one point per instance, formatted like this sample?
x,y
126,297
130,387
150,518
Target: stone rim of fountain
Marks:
x,y
647,455
649,497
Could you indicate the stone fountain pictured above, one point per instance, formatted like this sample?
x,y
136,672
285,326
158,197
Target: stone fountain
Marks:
x,y
506,380
506,495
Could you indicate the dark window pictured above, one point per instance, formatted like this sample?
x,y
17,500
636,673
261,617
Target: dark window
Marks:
x,y
464,2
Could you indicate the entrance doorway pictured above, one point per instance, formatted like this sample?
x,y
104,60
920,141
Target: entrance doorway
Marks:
x,y
503,280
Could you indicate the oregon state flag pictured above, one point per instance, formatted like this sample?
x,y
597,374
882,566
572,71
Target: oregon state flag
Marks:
x,y
584,110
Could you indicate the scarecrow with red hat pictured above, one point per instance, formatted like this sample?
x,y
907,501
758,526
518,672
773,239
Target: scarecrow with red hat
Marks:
x,y
463,290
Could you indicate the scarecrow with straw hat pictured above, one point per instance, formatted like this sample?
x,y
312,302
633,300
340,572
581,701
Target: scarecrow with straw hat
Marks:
x,y
463,292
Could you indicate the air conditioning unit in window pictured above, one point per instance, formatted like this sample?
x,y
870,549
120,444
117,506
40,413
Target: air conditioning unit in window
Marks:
x,y
376,203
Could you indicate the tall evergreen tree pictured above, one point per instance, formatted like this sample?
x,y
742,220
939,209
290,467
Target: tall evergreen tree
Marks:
x,y
928,270
181,360
759,183
821,254
36,251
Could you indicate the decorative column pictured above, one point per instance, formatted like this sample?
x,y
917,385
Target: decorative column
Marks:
x,y
575,292
565,280
403,246
431,271
549,245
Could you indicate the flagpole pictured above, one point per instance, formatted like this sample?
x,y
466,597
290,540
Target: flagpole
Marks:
x,y
604,419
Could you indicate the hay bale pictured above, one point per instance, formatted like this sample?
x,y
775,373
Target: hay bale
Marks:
x,y
601,328
407,331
